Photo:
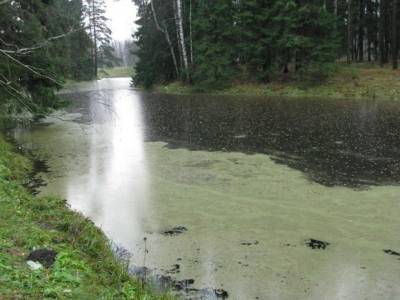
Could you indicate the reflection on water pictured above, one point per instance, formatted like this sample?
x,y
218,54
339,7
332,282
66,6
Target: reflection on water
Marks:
x,y
115,190
140,164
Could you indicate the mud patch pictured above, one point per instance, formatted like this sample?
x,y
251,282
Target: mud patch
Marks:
x,y
46,257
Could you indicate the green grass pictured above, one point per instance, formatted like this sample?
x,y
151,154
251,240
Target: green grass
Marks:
x,y
115,72
358,81
85,266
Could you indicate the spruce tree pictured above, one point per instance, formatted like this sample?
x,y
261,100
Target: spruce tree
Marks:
x,y
100,34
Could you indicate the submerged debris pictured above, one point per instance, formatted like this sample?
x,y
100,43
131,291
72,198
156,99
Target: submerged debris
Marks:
x,y
175,231
220,293
391,252
249,243
214,293
174,269
316,244
183,284
46,257
183,287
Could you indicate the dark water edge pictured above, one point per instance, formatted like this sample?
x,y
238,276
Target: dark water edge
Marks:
x,y
33,181
163,283
333,142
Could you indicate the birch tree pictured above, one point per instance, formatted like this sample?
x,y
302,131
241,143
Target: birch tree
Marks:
x,y
163,29
181,39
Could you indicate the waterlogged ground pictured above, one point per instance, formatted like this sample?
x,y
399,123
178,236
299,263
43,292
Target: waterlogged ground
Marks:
x,y
252,181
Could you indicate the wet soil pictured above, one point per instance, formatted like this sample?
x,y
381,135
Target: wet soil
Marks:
x,y
46,257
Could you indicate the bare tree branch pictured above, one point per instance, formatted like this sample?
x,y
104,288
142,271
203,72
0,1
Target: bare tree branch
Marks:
x,y
27,50
18,95
7,44
30,68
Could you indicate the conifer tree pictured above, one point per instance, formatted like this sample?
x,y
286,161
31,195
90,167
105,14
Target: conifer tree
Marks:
x,y
100,34
40,46
255,40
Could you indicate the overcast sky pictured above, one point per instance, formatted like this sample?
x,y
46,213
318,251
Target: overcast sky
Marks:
x,y
122,15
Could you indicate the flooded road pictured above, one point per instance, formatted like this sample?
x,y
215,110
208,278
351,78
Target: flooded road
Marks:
x,y
263,198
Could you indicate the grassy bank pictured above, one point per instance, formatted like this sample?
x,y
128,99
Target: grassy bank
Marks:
x,y
84,268
361,81
115,72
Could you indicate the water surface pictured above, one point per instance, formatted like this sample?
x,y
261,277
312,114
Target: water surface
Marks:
x,y
252,180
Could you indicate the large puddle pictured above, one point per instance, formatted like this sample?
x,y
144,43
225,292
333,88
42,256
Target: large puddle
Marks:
x,y
263,198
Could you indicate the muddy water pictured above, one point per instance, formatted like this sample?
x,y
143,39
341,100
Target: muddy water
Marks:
x,y
252,180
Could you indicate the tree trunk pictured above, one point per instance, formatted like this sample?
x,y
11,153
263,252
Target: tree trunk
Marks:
x,y
182,38
376,34
360,46
395,42
191,34
349,31
178,37
94,41
166,34
335,7
382,33
369,29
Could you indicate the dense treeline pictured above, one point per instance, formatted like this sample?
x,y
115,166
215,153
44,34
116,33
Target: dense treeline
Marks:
x,y
43,43
208,42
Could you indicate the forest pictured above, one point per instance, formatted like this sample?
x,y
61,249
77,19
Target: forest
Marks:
x,y
42,46
214,43
204,43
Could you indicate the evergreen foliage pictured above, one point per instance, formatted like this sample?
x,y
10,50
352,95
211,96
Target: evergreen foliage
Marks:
x,y
155,64
255,40
100,34
40,46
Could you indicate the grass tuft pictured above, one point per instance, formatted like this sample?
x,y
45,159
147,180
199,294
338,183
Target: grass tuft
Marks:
x,y
115,72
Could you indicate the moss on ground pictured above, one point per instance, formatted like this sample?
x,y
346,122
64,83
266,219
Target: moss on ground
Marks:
x,y
360,81
85,267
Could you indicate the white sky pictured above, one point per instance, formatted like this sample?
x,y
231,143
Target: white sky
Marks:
x,y
122,15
